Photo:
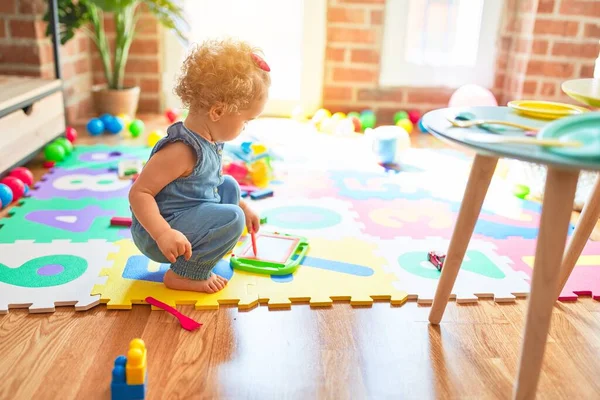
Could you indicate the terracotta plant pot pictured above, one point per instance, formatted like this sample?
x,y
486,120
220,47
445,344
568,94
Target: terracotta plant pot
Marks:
x,y
114,102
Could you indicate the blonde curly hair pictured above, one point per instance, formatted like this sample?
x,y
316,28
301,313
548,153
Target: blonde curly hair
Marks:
x,y
222,72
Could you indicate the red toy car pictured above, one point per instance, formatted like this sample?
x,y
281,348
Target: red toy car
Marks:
x,y
437,259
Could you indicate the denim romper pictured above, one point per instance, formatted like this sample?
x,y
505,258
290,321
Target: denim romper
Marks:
x,y
204,206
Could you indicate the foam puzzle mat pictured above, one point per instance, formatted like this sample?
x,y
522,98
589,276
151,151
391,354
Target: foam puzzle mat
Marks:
x,y
369,232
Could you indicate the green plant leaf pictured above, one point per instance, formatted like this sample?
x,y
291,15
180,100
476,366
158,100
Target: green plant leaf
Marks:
x,y
171,15
115,6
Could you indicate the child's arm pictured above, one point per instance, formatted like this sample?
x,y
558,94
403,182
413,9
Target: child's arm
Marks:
x,y
252,220
171,162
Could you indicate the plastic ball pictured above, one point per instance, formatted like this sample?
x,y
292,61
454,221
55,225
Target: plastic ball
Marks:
x,y
114,125
338,116
353,114
105,118
400,115
71,134
320,116
6,195
356,121
521,191
414,116
22,173
367,120
16,186
345,126
136,127
54,152
328,125
406,124
471,95
154,137
421,126
171,115
65,144
95,126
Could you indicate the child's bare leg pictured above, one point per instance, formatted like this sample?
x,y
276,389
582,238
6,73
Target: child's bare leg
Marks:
x,y
213,284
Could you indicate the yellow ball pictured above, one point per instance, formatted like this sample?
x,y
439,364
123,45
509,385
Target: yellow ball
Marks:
x,y
154,137
338,116
406,124
321,115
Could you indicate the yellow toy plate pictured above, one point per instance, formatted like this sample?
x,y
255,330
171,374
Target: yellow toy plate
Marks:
x,y
545,109
586,91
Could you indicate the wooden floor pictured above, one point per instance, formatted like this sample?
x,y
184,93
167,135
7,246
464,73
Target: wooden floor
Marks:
x,y
381,352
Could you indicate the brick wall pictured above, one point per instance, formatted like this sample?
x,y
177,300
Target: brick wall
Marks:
x,y
144,64
25,50
542,43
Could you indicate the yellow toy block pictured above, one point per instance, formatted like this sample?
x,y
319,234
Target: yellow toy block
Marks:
x,y
135,370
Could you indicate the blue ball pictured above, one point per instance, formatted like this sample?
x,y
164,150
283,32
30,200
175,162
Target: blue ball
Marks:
x,y
421,127
114,125
6,195
95,126
363,112
105,118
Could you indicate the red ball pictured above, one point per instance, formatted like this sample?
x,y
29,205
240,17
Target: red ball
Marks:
x,y
71,134
16,185
23,174
171,115
357,124
414,116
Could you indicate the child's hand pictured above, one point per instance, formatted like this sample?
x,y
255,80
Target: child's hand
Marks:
x,y
173,244
252,220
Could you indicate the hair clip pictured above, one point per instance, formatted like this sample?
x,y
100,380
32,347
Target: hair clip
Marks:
x,y
260,62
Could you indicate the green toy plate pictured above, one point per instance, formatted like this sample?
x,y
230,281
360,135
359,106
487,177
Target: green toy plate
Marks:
x,y
584,128
277,254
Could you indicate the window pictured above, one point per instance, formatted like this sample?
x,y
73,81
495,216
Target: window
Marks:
x,y
440,42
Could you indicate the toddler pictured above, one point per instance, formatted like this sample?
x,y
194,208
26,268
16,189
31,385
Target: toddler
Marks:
x,y
185,212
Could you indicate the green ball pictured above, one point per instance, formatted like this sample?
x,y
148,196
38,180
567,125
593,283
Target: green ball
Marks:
x,y
65,144
136,128
353,114
367,120
399,116
54,152
521,191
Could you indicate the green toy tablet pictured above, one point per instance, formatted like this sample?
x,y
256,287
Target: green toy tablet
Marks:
x,y
277,254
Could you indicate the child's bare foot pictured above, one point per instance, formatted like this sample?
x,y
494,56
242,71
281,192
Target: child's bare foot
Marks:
x,y
210,285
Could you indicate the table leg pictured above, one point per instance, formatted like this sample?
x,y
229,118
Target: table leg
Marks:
x,y
583,230
481,175
556,212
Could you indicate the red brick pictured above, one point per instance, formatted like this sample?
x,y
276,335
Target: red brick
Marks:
x,y
68,70
546,6
527,5
32,7
83,66
592,31
130,82
429,96
8,6
70,48
392,95
144,47
584,8
335,54
361,1
84,44
2,28
550,69
376,17
149,105
577,50
147,25
506,43
27,29
499,81
346,15
354,75
20,53
548,89
540,46
364,56
47,71
142,66
586,71
529,87
350,35
98,79
556,27
149,85
11,70
337,93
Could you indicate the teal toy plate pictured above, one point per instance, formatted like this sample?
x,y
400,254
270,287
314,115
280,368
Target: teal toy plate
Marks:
x,y
584,128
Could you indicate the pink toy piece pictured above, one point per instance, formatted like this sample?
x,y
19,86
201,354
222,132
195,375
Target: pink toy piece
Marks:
x,y
471,96
186,322
248,188
237,170
71,134
16,185
22,173
120,221
414,116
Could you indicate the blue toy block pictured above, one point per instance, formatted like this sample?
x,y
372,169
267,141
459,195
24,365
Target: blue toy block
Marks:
x,y
261,194
244,194
119,388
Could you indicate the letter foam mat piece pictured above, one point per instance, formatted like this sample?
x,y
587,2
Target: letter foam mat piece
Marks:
x,y
121,291
40,276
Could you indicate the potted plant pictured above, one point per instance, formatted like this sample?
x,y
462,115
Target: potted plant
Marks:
x,y
88,16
